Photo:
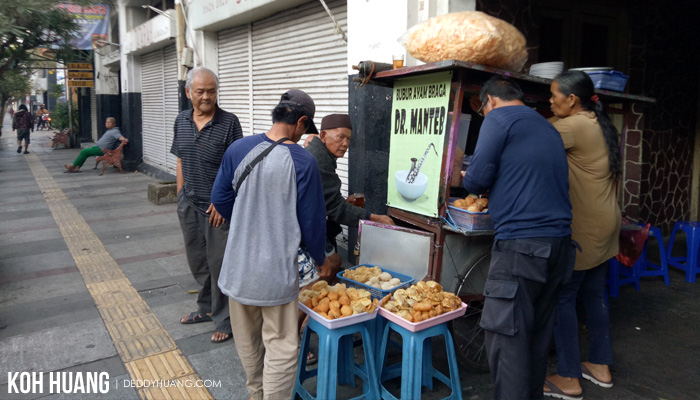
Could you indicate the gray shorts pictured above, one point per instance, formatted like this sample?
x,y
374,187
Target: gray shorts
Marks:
x,y
23,134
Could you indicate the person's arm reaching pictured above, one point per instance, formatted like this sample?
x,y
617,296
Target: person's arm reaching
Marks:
x,y
311,210
222,194
483,168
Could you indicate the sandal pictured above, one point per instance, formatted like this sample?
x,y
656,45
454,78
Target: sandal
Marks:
x,y
195,318
557,393
225,327
587,374
311,358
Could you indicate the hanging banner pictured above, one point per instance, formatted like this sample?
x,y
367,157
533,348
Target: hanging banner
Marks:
x,y
418,126
93,22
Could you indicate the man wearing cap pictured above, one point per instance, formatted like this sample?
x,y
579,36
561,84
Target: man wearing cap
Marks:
x,y
201,136
330,145
275,206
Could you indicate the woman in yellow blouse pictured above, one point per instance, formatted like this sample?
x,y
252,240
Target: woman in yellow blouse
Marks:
x,y
593,153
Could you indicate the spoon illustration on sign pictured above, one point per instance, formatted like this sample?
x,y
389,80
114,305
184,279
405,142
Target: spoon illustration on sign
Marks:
x,y
414,184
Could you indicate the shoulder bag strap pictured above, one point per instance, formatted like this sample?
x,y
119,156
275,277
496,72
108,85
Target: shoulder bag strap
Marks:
x,y
255,161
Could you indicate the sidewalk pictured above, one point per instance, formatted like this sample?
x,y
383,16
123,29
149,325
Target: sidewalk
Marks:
x,y
93,278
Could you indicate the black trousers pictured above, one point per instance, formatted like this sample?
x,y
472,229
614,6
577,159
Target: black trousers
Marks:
x,y
205,247
519,312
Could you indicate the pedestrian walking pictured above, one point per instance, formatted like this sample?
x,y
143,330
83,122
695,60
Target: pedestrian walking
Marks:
x,y
275,204
520,159
593,152
22,122
109,141
201,136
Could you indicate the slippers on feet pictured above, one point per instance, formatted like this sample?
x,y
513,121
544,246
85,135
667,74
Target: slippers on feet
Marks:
x,y
311,359
228,336
587,374
194,317
224,327
557,393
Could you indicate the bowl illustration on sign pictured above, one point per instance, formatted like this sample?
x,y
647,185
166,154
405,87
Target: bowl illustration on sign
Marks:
x,y
410,191
412,183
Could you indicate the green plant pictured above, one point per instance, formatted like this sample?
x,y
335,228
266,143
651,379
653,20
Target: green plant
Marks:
x,y
59,116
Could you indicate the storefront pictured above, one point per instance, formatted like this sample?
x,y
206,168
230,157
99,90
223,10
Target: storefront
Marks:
x,y
295,48
160,108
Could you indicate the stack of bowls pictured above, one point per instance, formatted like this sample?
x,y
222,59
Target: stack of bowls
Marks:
x,y
547,70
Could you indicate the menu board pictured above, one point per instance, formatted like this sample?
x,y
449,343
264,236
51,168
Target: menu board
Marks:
x,y
419,121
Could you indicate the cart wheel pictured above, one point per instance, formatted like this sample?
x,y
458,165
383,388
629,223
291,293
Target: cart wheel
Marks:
x,y
468,335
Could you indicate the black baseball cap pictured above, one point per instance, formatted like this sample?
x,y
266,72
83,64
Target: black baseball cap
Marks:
x,y
302,101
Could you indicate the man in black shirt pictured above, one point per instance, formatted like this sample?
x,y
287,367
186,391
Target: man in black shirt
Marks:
x,y
201,137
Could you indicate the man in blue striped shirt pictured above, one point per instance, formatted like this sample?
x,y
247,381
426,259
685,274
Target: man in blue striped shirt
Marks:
x,y
202,135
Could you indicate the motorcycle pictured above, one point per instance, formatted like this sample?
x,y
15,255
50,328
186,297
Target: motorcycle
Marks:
x,y
46,118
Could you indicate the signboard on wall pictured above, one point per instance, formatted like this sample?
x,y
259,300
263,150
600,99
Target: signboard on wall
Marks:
x,y
93,23
418,127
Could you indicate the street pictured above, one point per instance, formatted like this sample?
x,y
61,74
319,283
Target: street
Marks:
x,y
94,279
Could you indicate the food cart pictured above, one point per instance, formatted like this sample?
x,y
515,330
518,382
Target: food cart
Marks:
x,y
430,120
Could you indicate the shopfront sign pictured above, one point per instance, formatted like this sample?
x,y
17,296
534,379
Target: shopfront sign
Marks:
x,y
152,34
213,15
92,22
419,121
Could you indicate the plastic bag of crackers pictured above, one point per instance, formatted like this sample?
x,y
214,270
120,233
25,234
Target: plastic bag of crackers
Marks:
x,y
470,36
421,301
337,301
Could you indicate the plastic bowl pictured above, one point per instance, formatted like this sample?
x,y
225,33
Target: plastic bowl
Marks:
x,y
410,191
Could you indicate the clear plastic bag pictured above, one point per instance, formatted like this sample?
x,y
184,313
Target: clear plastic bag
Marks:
x,y
470,36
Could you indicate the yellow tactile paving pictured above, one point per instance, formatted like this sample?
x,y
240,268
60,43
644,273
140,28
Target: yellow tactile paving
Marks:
x,y
170,365
150,354
152,343
188,387
124,311
140,325
101,276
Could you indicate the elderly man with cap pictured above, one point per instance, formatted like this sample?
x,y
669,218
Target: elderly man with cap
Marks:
x,y
331,144
270,189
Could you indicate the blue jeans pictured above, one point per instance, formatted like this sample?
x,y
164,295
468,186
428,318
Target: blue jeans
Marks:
x,y
590,286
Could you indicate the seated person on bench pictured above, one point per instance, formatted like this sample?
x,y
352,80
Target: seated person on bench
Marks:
x,y
110,141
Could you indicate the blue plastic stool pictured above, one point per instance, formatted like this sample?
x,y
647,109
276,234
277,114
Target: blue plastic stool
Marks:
x,y
336,364
416,366
619,274
688,263
644,267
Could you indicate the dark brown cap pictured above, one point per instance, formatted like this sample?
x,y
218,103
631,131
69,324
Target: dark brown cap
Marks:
x,y
333,121
300,100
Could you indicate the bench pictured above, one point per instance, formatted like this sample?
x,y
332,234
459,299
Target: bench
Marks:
x,y
111,157
61,138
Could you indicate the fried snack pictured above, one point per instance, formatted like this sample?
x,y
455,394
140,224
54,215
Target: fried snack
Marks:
x,y
346,311
322,308
422,301
483,201
461,203
470,200
319,285
475,208
470,36
332,302
422,306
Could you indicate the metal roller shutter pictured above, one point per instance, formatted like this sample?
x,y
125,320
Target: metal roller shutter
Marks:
x,y
93,114
234,74
297,48
159,106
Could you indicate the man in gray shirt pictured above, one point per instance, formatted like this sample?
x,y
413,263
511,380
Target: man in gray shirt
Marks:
x,y
109,141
